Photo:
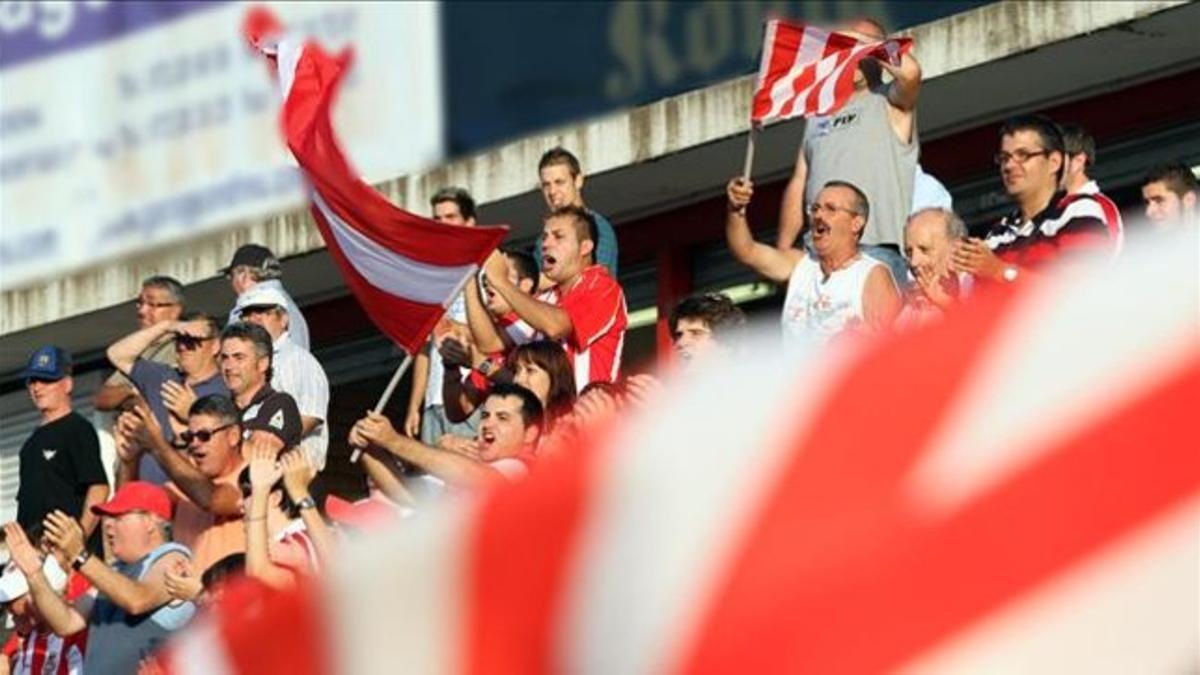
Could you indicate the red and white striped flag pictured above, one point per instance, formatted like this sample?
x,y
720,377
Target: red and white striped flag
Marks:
x,y
809,71
1016,489
403,269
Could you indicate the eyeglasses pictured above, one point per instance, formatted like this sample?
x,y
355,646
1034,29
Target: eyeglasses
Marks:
x,y
189,343
155,305
203,435
817,207
1021,156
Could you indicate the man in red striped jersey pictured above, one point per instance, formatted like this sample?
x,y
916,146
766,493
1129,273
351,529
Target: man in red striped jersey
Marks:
x,y
1081,155
587,309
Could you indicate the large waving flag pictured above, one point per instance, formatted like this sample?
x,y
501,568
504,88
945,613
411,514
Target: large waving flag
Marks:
x,y
404,269
1016,489
809,71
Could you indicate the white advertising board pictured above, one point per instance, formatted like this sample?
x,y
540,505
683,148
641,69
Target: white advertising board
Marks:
x,y
131,125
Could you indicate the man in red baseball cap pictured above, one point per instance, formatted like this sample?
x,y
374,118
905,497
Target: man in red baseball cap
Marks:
x,y
131,614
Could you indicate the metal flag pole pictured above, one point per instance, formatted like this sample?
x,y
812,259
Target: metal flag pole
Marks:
x,y
749,164
356,453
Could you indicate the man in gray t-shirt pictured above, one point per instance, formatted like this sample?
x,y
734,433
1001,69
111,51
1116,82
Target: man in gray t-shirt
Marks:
x,y
870,142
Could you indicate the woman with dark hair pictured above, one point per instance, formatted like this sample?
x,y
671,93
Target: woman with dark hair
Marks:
x,y
543,368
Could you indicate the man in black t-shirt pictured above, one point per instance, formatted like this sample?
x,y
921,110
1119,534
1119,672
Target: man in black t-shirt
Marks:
x,y
60,465
245,358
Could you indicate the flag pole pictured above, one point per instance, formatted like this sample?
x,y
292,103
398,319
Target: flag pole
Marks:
x,y
749,163
356,452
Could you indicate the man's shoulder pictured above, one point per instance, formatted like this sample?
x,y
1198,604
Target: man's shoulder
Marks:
x,y
146,372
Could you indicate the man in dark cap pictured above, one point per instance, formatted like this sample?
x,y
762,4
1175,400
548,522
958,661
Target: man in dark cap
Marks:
x,y
254,266
60,467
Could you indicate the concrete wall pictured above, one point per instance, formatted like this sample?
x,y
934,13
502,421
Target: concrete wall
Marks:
x,y
988,34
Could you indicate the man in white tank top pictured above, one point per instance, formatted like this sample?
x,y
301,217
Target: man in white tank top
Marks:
x,y
841,289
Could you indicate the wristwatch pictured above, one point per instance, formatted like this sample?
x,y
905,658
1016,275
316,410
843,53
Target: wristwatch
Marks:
x,y
306,503
1010,273
81,559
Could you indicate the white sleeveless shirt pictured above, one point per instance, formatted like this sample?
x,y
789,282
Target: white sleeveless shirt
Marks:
x,y
816,309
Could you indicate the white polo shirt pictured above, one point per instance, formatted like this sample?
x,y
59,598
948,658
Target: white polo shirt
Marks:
x,y
297,372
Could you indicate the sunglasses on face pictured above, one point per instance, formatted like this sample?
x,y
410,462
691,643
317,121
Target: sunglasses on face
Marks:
x,y
189,343
202,435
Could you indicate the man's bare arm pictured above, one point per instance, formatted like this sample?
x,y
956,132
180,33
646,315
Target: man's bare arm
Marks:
x,y
767,261
124,352
881,300
551,321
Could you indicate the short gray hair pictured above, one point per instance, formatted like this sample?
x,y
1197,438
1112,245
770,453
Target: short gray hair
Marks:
x,y
955,227
169,284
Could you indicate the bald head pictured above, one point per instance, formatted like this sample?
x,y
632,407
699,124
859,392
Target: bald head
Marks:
x,y
929,237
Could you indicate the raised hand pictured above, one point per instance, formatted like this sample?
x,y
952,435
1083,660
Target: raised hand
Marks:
x,y
972,256
64,534
374,429
935,290
26,557
298,473
178,399
264,470
739,191
181,583
460,444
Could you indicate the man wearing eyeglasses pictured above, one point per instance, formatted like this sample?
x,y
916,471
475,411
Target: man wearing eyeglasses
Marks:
x,y
161,299
1047,226
841,289
59,464
169,391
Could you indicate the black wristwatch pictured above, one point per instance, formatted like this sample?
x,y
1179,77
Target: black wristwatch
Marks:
x,y
306,503
81,559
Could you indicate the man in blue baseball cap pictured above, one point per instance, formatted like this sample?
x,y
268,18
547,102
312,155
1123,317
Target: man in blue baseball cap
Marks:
x,y
60,467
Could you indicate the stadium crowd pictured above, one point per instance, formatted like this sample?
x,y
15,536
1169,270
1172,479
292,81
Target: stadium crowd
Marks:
x,y
221,431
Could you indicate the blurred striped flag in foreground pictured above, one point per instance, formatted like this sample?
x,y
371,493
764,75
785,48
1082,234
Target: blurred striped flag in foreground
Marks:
x,y
809,71
402,268
1016,489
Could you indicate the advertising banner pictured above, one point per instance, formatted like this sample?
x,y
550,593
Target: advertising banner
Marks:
x,y
126,126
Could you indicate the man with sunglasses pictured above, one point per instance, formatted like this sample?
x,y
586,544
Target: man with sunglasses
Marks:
x,y
1047,226
204,482
169,391
59,464
841,289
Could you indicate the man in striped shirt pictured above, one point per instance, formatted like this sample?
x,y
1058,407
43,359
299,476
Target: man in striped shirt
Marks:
x,y
33,648
1081,155
586,311
1047,226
